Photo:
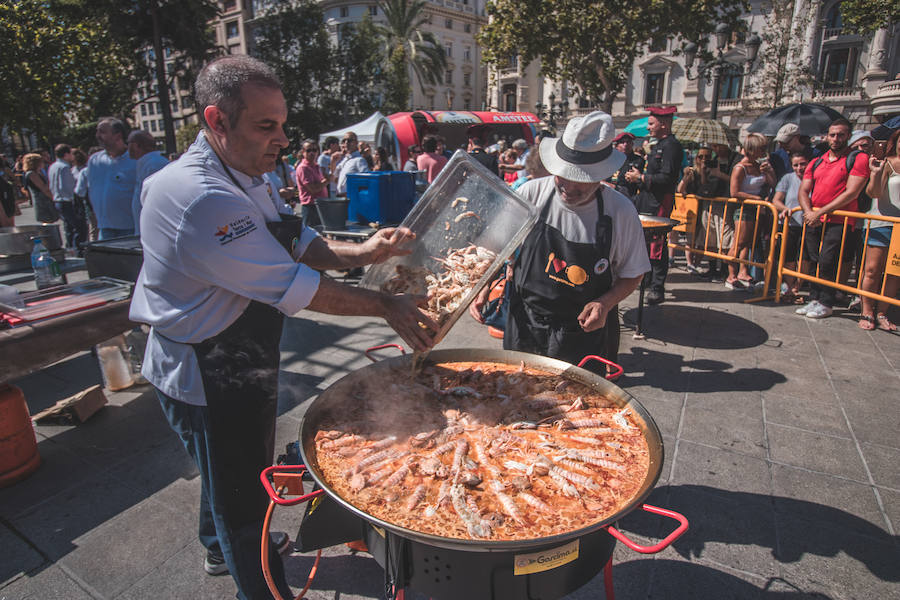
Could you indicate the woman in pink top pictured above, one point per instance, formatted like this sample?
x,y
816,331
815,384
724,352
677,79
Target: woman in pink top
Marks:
x,y
311,184
430,161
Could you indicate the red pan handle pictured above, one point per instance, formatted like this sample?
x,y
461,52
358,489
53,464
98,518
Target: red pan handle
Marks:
x,y
619,370
274,495
373,348
661,545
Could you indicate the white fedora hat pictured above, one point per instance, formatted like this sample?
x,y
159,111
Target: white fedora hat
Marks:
x,y
584,153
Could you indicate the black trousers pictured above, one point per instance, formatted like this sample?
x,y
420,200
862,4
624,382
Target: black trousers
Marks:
x,y
829,236
659,270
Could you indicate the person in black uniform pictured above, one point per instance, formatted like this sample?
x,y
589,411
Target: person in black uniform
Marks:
x,y
585,254
476,135
656,194
624,143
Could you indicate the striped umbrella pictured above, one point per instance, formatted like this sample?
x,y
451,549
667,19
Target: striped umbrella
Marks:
x,y
704,131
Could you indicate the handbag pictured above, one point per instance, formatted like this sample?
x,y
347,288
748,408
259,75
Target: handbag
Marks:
x,y
495,309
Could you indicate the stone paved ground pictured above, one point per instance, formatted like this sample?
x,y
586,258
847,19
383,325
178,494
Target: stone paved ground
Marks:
x,y
780,437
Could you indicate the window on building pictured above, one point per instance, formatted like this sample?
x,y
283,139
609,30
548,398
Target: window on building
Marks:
x,y
162,125
834,20
152,125
373,10
185,102
731,84
156,108
839,67
228,5
231,29
467,105
448,49
345,12
146,127
467,79
150,108
174,106
448,77
513,62
467,28
143,110
653,88
509,97
467,53
448,23
659,44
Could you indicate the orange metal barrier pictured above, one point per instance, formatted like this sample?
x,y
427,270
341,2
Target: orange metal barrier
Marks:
x,y
891,267
711,239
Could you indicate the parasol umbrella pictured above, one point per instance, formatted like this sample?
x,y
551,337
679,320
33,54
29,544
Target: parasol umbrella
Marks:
x,y
704,131
886,129
812,119
638,127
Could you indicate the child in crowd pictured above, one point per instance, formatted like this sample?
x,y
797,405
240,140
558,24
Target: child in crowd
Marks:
x,y
785,200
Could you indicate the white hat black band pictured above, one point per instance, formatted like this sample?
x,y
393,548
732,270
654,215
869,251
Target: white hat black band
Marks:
x,y
578,157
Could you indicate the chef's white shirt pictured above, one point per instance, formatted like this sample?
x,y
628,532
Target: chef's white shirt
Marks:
x,y
207,254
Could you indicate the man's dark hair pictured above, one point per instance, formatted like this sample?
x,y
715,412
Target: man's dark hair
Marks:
x,y
804,154
80,157
61,150
144,140
330,140
312,142
116,125
221,82
430,143
413,148
841,122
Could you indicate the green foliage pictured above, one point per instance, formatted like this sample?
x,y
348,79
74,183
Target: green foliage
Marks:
x,y
868,16
58,68
185,136
292,40
362,74
594,44
406,46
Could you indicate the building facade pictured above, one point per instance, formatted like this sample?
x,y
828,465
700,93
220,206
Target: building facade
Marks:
x,y
823,62
454,24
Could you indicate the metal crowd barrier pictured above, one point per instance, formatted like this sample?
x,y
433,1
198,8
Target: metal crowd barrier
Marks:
x,y
891,267
718,213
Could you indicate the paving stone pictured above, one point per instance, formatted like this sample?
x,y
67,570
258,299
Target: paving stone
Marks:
x,y
832,500
665,414
16,557
722,472
872,418
128,546
727,529
891,501
820,413
180,576
835,562
883,463
51,582
731,432
826,454
694,579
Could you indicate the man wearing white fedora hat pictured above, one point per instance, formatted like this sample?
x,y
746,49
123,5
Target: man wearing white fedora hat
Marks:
x,y
585,254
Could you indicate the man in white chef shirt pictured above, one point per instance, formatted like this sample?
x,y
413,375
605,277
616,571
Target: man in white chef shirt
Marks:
x,y
220,272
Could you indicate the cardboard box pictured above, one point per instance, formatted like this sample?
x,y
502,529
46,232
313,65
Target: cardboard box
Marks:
x,y
74,409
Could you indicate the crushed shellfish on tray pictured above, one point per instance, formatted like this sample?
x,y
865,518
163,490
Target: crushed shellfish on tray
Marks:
x,y
476,450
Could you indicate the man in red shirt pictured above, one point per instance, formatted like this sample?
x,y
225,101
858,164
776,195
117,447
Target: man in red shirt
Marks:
x,y
311,184
827,186
430,161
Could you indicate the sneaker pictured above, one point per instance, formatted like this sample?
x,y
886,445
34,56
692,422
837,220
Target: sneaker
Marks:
x,y
737,284
215,561
855,305
820,311
806,307
655,297
693,269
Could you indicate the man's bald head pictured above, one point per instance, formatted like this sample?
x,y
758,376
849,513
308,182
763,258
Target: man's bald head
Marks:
x,y
140,143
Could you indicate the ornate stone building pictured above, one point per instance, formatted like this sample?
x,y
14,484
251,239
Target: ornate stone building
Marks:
x,y
822,62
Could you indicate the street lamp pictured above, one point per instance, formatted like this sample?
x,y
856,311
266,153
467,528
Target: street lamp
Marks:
x,y
553,111
715,66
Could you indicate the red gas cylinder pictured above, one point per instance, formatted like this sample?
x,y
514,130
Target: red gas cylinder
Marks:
x,y
18,447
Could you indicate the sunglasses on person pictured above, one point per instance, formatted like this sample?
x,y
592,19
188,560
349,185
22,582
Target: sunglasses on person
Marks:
x,y
311,150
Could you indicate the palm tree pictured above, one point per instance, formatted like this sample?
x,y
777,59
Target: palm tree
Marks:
x,y
406,45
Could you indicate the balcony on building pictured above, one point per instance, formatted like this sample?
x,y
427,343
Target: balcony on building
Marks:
x,y
886,101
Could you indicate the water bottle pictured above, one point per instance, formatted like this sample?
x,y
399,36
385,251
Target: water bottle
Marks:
x,y
46,269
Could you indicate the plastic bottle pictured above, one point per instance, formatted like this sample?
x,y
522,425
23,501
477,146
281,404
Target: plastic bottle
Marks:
x,y
46,269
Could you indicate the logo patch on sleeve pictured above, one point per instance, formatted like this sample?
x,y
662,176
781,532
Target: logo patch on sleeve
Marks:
x,y
235,230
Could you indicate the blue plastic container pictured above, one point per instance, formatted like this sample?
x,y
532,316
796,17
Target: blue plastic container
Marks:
x,y
380,197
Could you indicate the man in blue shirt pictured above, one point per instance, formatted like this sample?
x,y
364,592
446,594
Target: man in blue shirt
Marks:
x,y
142,148
62,184
221,270
110,181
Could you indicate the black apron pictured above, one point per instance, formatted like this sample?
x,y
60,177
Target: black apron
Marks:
x,y
239,369
554,279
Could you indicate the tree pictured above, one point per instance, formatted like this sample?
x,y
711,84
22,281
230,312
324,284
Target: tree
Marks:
x,y
868,16
405,46
291,38
185,136
594,44
362,85
57,69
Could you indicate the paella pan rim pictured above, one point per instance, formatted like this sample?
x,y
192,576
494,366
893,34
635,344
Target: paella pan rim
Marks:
x,y
309,426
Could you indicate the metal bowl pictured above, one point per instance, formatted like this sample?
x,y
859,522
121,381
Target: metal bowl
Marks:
x,y
18,240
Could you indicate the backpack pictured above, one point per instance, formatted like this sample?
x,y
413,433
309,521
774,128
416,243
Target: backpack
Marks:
x,y
863,202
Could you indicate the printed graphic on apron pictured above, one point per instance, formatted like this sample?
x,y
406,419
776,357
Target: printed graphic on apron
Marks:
x,y
574,275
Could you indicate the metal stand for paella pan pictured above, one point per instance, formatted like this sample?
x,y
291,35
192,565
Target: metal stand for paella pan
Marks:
x,y
442,569
654,228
